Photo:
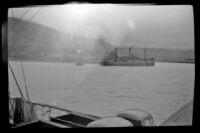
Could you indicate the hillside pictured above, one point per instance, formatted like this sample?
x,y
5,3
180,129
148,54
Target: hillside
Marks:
x,y
31,41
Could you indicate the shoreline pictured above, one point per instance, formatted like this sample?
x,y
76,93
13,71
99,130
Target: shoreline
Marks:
x,y
86,62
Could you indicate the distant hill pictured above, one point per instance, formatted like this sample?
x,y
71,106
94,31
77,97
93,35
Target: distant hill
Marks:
x,y
32,41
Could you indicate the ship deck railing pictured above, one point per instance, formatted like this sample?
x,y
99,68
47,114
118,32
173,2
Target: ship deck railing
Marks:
x,y
50,114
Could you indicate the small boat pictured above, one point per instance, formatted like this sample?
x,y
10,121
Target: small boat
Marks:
x,y
79,59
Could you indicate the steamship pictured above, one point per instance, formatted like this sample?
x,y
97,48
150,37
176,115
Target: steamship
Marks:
x,y
131,60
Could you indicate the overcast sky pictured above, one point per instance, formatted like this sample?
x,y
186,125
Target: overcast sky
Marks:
x,y
150,26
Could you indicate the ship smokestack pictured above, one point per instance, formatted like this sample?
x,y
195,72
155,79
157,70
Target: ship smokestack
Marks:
x,y
116,54
129,52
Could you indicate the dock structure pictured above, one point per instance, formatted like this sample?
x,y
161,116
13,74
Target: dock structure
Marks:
x,y
182,117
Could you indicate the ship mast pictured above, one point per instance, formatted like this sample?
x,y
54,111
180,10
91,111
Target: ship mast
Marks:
x,y
144,52
129,52
116,54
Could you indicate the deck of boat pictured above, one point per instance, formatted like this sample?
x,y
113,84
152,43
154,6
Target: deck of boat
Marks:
x,y
181,117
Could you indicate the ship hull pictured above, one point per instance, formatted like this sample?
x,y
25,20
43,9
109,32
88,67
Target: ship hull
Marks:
x,y
132,63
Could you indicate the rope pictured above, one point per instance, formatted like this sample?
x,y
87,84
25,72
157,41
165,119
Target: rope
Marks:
x,y
29,20
18,20
12,107
17,16
19,88
21,62
20,14
19,111
16,80
27,94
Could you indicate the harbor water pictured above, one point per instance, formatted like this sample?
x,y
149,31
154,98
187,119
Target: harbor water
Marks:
x,y
107,90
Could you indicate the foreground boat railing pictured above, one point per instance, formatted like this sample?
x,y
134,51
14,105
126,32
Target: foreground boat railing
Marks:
x,y
52,110
40,111
24,112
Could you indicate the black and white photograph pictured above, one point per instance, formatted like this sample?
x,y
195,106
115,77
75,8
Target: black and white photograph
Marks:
x,y
90,65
